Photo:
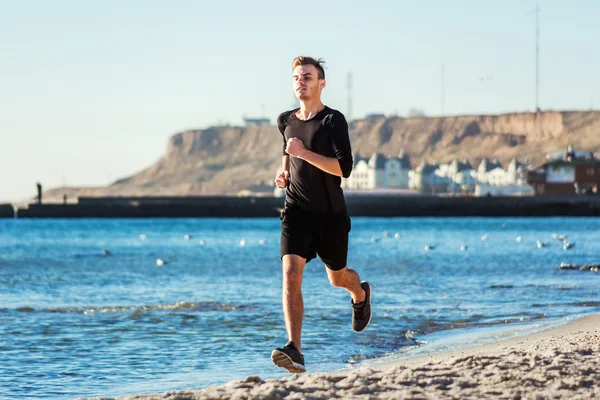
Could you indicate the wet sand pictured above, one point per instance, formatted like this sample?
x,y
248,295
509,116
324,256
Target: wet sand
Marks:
x,y
559,363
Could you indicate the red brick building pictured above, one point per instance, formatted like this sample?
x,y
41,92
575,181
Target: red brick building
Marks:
x,y
574,173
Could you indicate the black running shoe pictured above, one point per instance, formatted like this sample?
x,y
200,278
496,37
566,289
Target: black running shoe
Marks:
x,y
361,312
289,358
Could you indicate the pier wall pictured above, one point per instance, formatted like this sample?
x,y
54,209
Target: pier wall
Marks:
x,y
367,205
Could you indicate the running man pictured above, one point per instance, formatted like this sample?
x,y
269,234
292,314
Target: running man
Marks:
x,y
314,221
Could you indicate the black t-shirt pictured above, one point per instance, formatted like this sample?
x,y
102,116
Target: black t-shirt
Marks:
x,y
311,188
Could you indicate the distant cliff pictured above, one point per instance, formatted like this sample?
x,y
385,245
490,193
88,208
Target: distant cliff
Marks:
x,y
225,160
473,137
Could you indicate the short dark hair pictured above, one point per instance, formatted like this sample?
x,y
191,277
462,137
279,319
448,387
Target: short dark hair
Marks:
x,y
316,62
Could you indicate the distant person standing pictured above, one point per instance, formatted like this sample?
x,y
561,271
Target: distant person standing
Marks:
x,y
314,221
39,192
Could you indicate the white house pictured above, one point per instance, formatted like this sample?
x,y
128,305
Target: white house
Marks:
x,y
459,175
379,171
363,176
466,181
495,180
516,173
484,167
428,178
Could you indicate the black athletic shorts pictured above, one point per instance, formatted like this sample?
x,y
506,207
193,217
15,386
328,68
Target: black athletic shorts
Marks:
x,y
309,234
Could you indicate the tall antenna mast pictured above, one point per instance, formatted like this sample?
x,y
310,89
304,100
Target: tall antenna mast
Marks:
x,y
537,58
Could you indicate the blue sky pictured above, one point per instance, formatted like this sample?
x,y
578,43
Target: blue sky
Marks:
x,y
91,91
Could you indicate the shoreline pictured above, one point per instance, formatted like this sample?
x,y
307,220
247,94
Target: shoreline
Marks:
x,y
587,322
559,362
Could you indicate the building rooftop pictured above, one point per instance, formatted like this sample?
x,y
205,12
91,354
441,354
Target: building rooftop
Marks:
x,y
257,121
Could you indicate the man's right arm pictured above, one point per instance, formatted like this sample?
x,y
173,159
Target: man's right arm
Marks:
x,y
283,178
285,162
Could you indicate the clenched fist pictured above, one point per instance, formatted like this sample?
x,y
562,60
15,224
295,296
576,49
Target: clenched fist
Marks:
x,y
294,147
282,179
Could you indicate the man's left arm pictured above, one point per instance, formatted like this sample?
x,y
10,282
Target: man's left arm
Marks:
x,y
341,164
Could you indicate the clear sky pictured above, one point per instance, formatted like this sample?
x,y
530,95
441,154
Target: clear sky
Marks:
x,y
91,91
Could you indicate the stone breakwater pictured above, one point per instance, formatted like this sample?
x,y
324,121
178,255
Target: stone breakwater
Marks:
x,y
358,206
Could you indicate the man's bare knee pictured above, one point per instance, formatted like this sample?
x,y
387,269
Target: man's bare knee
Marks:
x,y
292,273
293,267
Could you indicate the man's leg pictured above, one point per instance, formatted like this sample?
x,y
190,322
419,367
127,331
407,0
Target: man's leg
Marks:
x,y
360,292
293,304
290,356
348,279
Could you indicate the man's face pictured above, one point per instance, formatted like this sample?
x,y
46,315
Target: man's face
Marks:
x,y
307,84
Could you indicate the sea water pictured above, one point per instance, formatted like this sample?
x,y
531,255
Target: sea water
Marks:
x,y
85,309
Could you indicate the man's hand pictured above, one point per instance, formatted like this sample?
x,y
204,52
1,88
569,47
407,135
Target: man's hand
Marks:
x,y
282,179
295,147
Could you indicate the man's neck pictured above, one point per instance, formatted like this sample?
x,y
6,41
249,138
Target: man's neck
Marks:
x,y
310,108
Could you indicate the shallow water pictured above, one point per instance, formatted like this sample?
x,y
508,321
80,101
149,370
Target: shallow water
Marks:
x,y
76,322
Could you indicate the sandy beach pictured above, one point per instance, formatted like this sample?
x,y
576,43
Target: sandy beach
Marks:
x,y
559,363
